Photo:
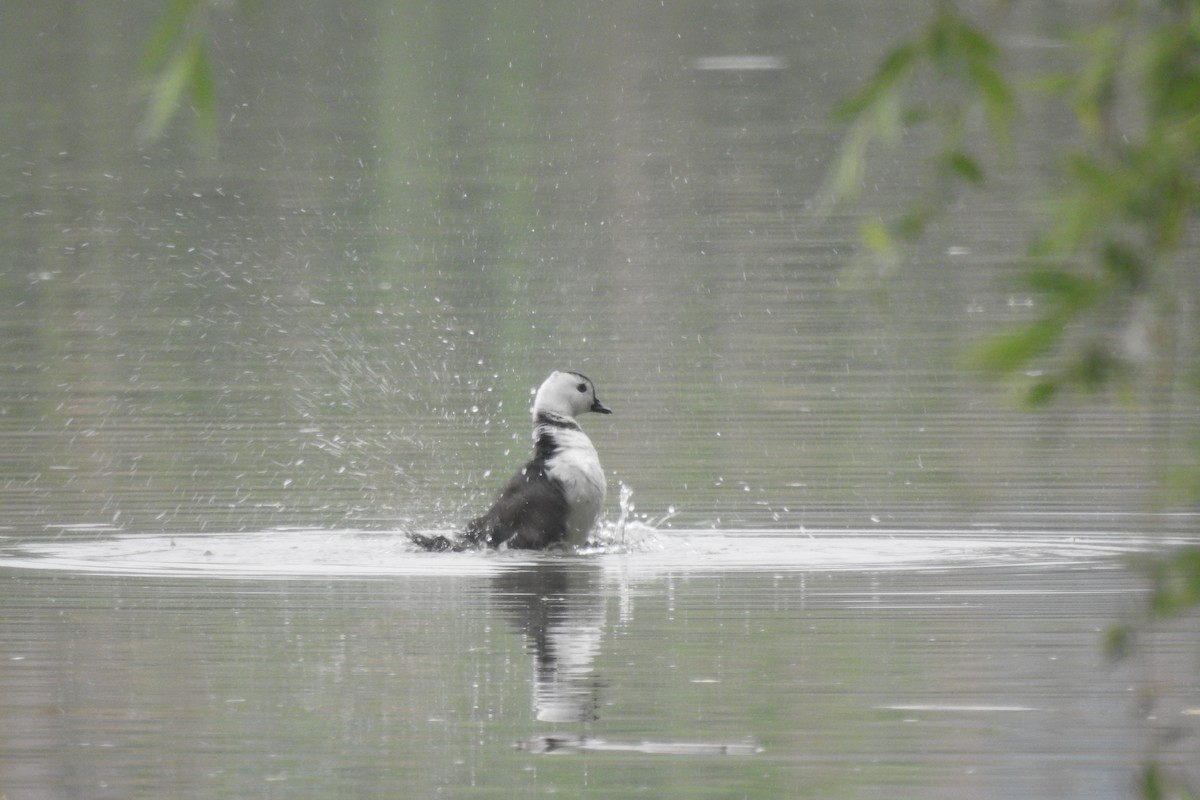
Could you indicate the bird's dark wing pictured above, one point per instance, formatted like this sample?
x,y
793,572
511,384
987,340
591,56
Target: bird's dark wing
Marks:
x,y
531,513
435,544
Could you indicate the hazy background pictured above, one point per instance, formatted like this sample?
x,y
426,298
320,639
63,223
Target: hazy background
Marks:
x,y
417,210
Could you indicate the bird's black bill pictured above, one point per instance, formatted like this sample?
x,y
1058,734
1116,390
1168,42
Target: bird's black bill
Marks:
x,y
600,408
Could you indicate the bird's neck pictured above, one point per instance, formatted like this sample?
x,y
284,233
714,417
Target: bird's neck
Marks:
x,y
556,433
550,419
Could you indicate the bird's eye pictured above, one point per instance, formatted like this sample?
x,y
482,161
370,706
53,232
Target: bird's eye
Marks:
x,y
582,387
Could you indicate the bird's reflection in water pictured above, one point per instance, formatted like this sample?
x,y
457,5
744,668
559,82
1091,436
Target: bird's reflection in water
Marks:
x,y
559,605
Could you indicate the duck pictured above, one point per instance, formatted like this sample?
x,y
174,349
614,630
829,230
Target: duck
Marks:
x,y
556,498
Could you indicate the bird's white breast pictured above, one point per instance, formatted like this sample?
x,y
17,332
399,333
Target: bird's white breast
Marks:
x,y
577,466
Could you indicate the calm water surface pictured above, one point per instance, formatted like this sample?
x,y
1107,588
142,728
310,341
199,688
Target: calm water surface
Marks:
x,y
313,663
230,384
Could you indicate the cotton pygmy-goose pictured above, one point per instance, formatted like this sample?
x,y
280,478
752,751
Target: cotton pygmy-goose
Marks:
x,y
557,496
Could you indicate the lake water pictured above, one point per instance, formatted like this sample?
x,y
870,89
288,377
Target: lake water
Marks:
x,y
232,384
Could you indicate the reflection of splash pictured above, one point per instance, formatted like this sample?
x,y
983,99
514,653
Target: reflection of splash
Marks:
x,y
559,607
572,744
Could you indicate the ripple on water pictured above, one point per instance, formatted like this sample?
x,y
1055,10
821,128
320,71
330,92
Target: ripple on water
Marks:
x,y
639,551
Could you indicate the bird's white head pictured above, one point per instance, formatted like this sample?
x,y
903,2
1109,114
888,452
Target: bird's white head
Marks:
x,y
568,394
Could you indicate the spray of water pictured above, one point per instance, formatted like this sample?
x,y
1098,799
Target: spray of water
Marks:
x,y
630,531
626,507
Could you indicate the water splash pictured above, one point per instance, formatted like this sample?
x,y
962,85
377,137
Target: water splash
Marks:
x,y
625,504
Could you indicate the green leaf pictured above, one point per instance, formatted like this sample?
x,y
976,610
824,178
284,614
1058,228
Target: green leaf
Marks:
x,y
963,166
167,33
1118,640
1041,392
912,224
1176,583
165,94
203,91
1151,784
1123,264
874,235
175,61
887,118
1174,71
999,102
939,39
891,71
973,43
1103,178
1013,350
851,165
1097,192
187,74
1069,291
1094,368
1095,87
